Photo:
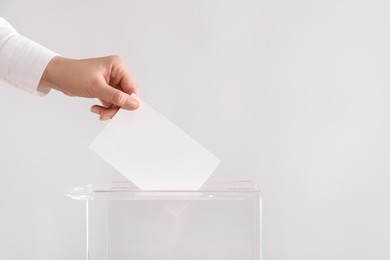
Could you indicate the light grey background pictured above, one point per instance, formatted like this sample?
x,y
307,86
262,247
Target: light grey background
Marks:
x,y
292,94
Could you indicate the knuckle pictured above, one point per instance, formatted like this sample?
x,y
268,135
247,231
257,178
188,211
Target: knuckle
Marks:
x,y
116,59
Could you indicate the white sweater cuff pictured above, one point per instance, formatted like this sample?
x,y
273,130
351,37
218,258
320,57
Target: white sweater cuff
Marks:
x,y
22,61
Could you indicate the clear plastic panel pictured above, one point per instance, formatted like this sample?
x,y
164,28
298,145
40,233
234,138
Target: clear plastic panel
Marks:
x,y
220,222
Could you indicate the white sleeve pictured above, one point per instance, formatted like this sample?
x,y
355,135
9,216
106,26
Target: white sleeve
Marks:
x,y
22,61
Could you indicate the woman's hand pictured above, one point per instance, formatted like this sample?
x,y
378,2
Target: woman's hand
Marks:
x,y
105,78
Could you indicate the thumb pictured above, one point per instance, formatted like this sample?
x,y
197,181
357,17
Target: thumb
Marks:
x,y
118,97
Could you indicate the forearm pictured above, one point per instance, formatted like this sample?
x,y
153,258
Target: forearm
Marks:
x,y
33,68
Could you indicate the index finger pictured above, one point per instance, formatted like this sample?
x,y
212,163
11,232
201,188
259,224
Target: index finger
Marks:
x,y
128,84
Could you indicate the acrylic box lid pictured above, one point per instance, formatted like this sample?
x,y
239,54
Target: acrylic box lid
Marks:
x,y
123,190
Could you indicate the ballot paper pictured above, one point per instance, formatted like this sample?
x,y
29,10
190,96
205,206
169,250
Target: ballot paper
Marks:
x,y
152,152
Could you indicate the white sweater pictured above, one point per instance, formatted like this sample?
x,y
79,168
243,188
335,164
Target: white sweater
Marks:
x,y
22,61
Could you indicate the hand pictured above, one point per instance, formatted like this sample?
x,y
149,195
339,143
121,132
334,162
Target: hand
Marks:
x,y
105,78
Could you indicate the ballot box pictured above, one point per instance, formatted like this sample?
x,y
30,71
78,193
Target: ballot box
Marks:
x,y
222,221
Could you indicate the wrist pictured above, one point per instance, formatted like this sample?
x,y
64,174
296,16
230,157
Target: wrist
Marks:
x,y
50,76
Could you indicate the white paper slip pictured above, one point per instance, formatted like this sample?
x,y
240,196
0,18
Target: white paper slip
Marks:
x,y
152,152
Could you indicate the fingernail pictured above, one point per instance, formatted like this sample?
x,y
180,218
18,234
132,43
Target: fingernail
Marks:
x,y
95,110
133,103
104,118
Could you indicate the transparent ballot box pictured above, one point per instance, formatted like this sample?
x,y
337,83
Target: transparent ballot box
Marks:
x,y
222,221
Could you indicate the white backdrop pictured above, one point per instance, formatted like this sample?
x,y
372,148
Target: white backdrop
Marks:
x,y
292,94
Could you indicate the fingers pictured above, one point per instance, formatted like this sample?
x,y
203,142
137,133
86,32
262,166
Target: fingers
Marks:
x,y
121,76
105,103
116,92
98,109
127,81
104,112
117,97
128,84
